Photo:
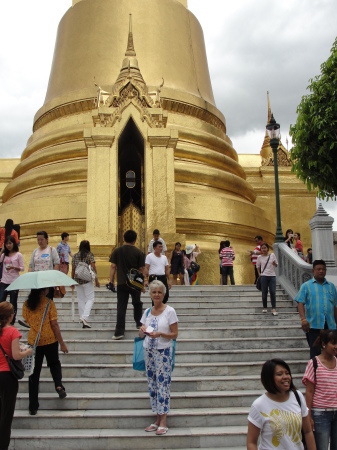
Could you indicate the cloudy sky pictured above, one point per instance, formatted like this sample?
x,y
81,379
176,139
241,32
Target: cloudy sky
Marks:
x,y
252,47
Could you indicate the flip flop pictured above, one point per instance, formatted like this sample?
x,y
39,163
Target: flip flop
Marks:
x,y
152,427
161,431
275,313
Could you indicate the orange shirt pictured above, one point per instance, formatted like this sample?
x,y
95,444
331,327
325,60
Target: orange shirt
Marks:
x,y
2,236
34,318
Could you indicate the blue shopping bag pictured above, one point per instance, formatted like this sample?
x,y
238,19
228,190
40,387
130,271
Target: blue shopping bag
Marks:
x,y
138,360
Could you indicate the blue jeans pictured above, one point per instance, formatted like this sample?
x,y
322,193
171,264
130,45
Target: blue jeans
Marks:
x,y
13,298
325,429
268,282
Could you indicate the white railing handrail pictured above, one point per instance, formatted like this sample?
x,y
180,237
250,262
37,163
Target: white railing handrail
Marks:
x,y
292,271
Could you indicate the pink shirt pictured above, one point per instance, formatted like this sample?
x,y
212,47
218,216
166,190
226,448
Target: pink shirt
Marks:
x,y
261,262
9,275
8,335
325,394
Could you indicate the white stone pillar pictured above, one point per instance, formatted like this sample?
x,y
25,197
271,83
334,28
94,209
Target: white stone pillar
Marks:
x,y
322,237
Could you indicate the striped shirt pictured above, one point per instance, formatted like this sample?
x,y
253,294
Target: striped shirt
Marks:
x,y
254,255
227,256
319,301
325,394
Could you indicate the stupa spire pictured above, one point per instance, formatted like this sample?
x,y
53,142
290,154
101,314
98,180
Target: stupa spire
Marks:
x,y
130,51
130,68
269,109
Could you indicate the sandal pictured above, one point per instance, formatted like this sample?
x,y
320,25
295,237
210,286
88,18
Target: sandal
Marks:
x,y
161,430
274,313
152,427
264,310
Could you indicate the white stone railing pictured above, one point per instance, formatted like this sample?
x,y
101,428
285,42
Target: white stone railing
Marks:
x,y
292,271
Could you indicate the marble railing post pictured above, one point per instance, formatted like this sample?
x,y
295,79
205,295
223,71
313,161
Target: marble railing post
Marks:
x,y
322,237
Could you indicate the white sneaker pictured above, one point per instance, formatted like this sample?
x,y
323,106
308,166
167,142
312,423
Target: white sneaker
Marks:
x,y
117,338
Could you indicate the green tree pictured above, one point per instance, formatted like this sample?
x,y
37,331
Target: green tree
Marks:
x,y
314,135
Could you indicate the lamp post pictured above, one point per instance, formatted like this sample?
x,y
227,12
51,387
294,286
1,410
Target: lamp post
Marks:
x,y
273,130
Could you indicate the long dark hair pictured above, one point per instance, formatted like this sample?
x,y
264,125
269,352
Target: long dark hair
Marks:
x,y
15,245
34,298
84,249
6,310
222,245
8,227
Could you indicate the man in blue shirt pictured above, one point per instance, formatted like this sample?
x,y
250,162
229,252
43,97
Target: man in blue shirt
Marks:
x,y
64,251
317,305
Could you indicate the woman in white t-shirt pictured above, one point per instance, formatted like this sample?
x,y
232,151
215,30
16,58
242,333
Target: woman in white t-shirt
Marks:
x,y
163,321
265,265
321,391
278,416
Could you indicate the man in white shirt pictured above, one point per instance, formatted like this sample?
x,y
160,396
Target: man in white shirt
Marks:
x,y
157,268
157,238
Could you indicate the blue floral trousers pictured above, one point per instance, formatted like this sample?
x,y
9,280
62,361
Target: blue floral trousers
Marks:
x,y
158,370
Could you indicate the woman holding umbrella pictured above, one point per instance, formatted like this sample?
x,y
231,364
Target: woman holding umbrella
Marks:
x,y
41,315
33,311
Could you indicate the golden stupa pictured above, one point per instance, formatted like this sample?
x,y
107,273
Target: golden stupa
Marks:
x,y
129,136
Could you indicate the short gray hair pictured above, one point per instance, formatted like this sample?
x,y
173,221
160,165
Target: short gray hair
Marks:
x,y
156,284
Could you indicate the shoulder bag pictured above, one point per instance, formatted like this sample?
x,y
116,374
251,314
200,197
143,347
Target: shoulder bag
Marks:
x,y
85,272
16,367
29,361
134,277
258,282
299,402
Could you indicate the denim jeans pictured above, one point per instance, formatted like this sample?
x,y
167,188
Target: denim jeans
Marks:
x,y
325,429
268,282
13,298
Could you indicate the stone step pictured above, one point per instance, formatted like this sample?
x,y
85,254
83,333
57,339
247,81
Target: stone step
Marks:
x,y
139,384
184,356
76,332
141,418
105,370
125,439
140,400
259,320
195,344
223,341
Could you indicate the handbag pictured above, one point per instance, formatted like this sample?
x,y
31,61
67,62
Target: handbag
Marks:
x,y
138,360
134,277
85,272
258,281
63,265
29,361
59,292
16,367
195,266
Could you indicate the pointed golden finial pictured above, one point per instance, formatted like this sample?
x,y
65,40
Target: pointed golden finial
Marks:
x,y
269,110
130,51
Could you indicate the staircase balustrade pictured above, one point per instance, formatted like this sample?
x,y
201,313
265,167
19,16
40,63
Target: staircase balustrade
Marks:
x,y
292,271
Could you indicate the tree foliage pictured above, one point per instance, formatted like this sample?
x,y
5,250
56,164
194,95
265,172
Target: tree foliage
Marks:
x,y
314,135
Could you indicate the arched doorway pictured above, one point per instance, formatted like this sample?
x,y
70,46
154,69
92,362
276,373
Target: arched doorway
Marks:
x,y
131,208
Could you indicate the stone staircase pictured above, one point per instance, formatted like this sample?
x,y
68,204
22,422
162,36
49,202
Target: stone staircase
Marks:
x,y
223,340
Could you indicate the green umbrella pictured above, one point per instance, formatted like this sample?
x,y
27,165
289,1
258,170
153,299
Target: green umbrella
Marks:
x,y
42,279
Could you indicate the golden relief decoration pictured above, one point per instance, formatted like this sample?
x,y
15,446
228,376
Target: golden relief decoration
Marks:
x,y
283,158
129,87
132,219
